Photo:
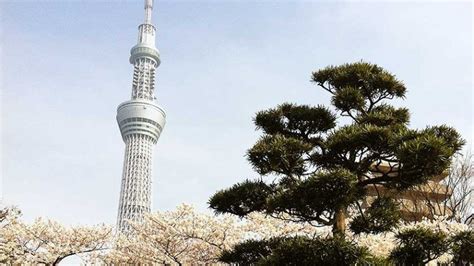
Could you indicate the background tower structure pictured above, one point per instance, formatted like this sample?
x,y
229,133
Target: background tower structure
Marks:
x,y
141,121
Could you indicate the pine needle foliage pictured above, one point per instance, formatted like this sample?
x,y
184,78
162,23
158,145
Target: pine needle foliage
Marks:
x,y
419,246
296,251
462,246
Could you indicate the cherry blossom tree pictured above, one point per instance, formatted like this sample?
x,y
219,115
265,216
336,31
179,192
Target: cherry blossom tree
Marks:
x,y
9,250
184,236
48,242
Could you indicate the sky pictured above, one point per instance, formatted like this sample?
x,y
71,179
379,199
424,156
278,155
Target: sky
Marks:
x,y
64,70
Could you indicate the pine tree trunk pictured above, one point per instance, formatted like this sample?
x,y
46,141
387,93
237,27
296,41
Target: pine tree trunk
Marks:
x,y
339,227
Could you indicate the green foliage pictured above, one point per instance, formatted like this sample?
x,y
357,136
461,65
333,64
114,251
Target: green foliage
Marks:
x,y
348,98
315,171
346,146
372,82
296,251
241,199
462,246
452,139
299,121
419,246
385,116
249,252
279,154
308,198
382,215
377,261
426,154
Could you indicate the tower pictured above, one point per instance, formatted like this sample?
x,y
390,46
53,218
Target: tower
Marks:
x,y
141,121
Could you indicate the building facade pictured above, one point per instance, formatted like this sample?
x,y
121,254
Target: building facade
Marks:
x,y
422,201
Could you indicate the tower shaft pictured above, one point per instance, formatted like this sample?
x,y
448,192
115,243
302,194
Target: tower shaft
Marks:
x,y
135,195
141,121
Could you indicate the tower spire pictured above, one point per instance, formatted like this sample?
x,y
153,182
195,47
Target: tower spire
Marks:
x,y
148,11
145,57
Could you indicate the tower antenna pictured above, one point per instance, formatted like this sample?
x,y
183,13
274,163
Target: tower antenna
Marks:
x,y
148,11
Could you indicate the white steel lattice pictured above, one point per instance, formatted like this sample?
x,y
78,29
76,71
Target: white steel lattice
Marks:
x,y
135,194
143,85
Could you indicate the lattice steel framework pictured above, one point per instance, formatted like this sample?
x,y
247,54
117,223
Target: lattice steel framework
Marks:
x,y
143,85
140,121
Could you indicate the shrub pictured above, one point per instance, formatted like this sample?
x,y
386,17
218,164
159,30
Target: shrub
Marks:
x,y
297,251
418,246
462,248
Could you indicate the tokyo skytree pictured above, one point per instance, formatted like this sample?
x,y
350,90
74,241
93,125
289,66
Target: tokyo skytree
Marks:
x,y
141,121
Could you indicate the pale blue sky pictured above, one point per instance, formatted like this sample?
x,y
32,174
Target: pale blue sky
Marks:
x,y
65,69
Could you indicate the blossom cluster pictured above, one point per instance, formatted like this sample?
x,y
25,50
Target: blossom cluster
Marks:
x,y
382,244
182,236
45,241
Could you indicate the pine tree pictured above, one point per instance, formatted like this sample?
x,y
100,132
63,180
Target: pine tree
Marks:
x,y
314,170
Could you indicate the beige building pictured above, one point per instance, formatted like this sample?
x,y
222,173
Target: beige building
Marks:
x,y
425,200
